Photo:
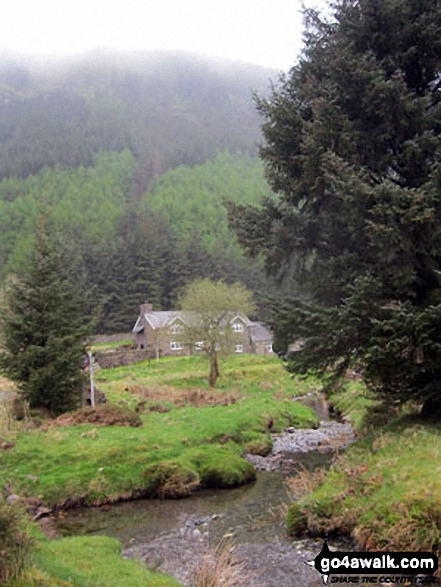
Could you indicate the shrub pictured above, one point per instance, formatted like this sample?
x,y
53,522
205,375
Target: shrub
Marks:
x,y
219,567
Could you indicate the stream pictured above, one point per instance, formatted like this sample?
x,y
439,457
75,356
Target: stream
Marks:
x,y
172,536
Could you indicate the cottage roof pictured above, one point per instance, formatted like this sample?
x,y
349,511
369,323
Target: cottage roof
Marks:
x,y
241,317
162,319
138,326
259,333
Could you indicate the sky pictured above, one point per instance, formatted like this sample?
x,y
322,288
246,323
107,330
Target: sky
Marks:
x,y
263,32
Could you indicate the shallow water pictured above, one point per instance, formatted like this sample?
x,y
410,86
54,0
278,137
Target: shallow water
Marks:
x,y
252,512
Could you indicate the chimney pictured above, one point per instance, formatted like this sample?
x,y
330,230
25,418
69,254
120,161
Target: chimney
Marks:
x,y
146,308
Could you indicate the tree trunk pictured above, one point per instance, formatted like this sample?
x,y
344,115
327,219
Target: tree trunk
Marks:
x,y
216,366
214,370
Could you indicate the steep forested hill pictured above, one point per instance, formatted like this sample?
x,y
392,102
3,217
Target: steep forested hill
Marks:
x,y
85,204
191,199
132,250
167,109
130,158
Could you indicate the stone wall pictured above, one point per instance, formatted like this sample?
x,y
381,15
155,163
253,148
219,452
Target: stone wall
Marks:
x,y
118,358
119,337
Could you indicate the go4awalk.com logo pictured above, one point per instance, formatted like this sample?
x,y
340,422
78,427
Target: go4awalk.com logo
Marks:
x,y
405,568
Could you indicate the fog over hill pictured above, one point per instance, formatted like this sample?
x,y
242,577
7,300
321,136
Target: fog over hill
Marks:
x,y
168,109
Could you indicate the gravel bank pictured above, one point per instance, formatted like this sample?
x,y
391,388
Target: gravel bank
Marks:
x,y
330,436
272,564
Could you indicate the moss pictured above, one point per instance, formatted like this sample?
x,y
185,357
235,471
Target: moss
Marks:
x,y
226,470
261,445
296,521
170,480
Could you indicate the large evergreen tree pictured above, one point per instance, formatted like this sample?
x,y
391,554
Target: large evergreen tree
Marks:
x,y
44,327
353,152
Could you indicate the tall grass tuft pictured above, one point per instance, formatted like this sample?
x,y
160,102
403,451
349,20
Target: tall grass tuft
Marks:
x,y
219,567
304,482
15,542
9,423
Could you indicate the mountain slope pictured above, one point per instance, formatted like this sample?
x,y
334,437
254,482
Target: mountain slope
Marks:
x,y
130,250
167,109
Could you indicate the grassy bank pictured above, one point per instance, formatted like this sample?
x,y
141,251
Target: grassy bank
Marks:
x,y
385,491
191,436
82,561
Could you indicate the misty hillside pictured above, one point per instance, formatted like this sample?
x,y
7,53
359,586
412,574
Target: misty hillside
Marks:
x,y
130,157
167,109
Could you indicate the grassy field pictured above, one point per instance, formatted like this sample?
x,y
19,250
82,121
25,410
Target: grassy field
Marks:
x,y
243,374
385,491
191,436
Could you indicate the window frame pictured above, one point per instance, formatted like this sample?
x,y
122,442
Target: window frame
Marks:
x,y
176,328
237,327
176,345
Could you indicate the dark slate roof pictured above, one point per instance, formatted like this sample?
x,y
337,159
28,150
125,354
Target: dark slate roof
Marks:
x,y
163,319
259,333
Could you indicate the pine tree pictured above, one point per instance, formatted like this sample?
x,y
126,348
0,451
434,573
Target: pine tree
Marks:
x,y
44,328
353,150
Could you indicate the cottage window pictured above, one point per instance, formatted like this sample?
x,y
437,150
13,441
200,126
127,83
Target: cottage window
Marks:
x,y
176,328
176,346
238,348
237,327
199,346
269,348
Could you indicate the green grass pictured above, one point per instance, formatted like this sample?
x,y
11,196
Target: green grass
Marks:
x,y
86,561
92,465
245,369
199,441
355,401
385,491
